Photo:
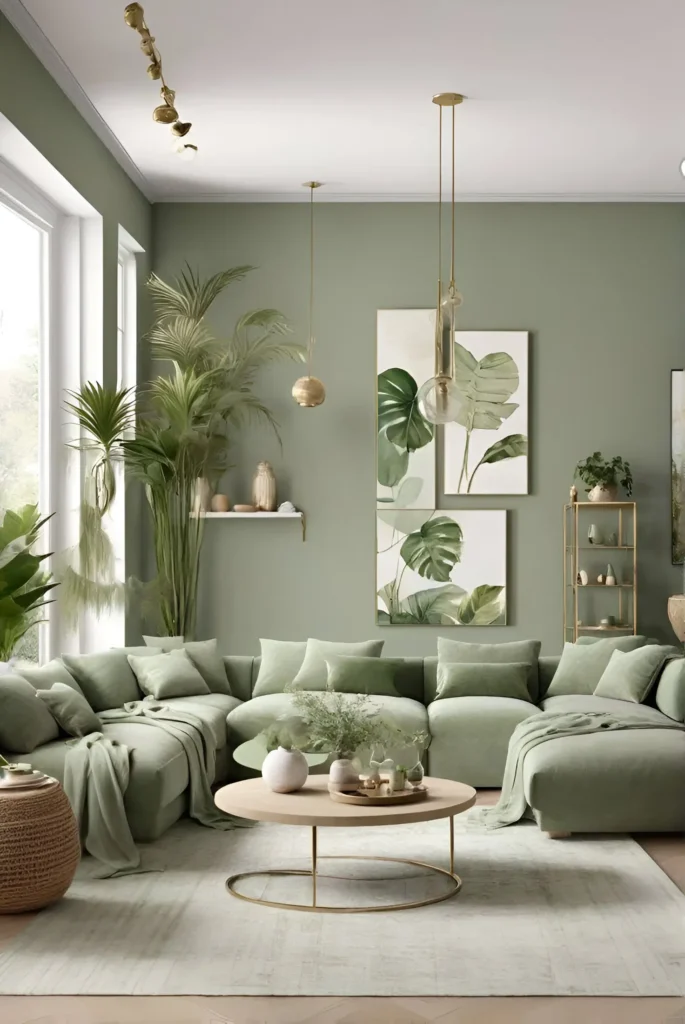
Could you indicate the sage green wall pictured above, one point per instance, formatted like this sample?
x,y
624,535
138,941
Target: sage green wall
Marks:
x,y
31,99
601,288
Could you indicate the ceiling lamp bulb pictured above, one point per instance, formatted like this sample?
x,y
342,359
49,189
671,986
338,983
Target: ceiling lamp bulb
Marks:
x,y
164,114
309,391
439,400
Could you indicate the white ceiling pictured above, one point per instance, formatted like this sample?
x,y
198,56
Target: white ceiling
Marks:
x,y
567,98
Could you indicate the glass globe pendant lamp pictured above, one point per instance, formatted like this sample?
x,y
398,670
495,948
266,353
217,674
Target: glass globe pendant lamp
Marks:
x,y
439,399
309,391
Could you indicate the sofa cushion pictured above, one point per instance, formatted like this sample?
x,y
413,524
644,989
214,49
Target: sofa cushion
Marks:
x,y
212,708
582,664
254,715
25,722
280,662
240,672
470,737
455,651
70,709
583,702
106,678
168,675
205,656
43,676
477,680
670,693
313,673
630,675
348,673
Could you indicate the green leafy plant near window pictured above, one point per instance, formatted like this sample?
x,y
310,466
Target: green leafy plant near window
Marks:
x,y
23,584
173,430
596,471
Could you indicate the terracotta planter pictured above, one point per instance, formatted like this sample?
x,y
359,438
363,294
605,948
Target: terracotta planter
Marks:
x,y
601,493
676,615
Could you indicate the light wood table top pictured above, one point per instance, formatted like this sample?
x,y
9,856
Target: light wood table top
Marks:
x,y
312,805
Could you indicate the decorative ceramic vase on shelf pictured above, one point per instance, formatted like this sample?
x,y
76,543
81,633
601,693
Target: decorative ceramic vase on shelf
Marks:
x,y
610,576
264,488
203,495
601,493
676,615
220,503
573,494
285,771
343,776
593,534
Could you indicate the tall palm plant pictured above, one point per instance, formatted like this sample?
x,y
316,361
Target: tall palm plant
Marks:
x,y
184,424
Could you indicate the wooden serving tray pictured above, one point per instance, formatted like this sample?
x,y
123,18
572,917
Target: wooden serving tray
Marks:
x,y
362,799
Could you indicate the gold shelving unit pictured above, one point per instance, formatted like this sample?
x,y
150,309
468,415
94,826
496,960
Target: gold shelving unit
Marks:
x,y
582,611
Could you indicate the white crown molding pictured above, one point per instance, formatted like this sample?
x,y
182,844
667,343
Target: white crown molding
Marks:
x,y
35,38
421,197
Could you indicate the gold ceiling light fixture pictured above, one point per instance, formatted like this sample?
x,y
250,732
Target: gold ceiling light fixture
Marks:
x,y
439,399
166,112
309,391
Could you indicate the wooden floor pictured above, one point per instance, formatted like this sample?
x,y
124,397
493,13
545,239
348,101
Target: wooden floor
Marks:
x,y
667,851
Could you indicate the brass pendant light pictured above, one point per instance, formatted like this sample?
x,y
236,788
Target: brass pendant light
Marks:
x,y
439,399
309,391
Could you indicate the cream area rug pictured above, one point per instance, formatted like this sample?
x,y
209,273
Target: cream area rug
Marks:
x,y
585,916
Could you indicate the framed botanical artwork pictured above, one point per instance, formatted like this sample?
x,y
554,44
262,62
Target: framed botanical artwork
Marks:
x,y
441,567
405,441
486,450
678,467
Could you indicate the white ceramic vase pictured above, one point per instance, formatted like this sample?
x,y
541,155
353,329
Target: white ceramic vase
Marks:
x,y
285,771
601,493
343,775
264,488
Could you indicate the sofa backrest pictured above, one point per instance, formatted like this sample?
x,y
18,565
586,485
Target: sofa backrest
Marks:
x,y
241,674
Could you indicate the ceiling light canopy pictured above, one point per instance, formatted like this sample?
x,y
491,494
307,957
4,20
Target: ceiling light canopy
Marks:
x,y
439,399
166,112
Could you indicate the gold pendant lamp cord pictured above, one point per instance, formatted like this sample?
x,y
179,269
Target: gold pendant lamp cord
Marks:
x,y
452,289
310,346
438,310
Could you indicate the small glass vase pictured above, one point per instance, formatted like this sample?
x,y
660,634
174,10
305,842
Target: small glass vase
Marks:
x,y
415,775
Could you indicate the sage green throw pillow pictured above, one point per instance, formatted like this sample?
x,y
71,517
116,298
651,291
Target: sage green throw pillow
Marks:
x,y
313,674
70,710
43,676
204,655
518,652
105,678
582,665
509,679
168,675
280,662
630,675
349,673
25,723
670,693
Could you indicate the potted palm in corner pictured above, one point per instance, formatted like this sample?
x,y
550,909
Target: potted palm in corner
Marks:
x,y
23,583
174,430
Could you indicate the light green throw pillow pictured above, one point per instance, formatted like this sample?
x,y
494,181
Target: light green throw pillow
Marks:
x,y
670,693
281,661
205,657
517,651
630,675
71,711
348,673
582,665
25,723
168,675
313,674
43,676
105,678
509,679
164,643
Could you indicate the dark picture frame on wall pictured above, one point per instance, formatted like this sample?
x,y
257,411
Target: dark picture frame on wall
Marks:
x,y
678,467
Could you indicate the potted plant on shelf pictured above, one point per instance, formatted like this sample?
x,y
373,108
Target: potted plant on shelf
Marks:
x,y
603,476
170,433
23,584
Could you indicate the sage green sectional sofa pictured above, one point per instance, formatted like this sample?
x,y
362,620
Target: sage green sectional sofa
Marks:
x,y
624,781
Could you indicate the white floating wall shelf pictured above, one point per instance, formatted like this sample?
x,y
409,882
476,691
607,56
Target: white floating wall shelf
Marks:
x,y
259,515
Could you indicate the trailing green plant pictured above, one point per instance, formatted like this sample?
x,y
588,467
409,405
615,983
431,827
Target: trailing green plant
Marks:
x,y
289,732
596,471
23,584
179,427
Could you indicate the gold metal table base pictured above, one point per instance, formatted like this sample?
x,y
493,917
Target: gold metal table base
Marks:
x,y
318,908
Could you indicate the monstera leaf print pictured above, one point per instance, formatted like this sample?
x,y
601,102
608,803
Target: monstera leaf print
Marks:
x,y
482,606
436,607
434,549
399,417
510,447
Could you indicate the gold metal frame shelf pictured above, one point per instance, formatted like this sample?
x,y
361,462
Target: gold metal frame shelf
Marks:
x,y
626,534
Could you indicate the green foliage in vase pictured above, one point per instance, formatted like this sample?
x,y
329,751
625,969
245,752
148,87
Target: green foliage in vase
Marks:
x,y
596,471
23,584
180,426
485,386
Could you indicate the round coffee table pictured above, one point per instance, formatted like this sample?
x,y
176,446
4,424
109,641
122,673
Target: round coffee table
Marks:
x,y
312,806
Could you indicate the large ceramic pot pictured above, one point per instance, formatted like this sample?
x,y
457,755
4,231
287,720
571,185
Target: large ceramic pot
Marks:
x,y
601,493
285,771
676,615
39,841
